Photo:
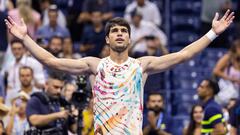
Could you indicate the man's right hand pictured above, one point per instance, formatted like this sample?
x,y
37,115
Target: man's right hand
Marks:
x,y
63,114
20,31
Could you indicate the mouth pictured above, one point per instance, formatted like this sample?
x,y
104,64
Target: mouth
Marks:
x,y
119,40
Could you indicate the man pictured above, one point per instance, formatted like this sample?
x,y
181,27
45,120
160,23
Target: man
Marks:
x,y
149,10
213,121
47,110
117,81
68,91
235,119
159,123
22,59
26,79
93,36
53,28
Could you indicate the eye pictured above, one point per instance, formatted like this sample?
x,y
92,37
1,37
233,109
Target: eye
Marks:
x,y
114,30
124,30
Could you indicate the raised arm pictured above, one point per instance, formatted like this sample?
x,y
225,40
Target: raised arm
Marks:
x,y
68,65
158,64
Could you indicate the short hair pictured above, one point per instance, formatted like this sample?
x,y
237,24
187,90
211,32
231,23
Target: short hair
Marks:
x,y
117,21
56,37
26,67
154,93
56,75
53,8
15,40
213,85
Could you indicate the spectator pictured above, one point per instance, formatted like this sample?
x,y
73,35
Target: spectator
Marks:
x,y
17,122
213,121
196,117
88,121
159,123
93,36
235,119
61,19
53,28
95,5
141,29
149,11
227,69
21,59
55,46
68,90
26,80
68,49
47,110
209,8
30,16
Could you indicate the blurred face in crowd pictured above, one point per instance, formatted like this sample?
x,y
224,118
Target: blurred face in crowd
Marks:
x,y
54,87
18,50
67,46
136,19
96,18
22,107
140,2
203,89
68,91
25,76
118,38
53,15
55,45
198,114
155,103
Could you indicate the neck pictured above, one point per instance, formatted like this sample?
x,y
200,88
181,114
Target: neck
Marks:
x,y
27,89
119,57
206,99
22,116
53,25
98,27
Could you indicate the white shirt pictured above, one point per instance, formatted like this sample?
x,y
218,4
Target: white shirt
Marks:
x,y
146,29
149,11
13,71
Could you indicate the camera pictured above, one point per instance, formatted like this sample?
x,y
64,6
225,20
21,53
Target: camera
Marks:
x,y
81,97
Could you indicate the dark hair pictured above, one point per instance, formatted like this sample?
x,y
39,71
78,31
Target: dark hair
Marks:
x,y
15,40
135,12
213,85
26,67
56,37
154,93
192,125
117,21
56,75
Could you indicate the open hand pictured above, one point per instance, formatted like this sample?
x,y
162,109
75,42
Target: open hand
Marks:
x,y
20,31
221,25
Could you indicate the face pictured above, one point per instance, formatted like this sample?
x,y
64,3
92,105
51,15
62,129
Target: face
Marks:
x,y
22,107
140,2
198,114
118,39
26,77
55,46
52,17
203,89
17,50
136,20
54,87
155,103
69,89
67,46
96,17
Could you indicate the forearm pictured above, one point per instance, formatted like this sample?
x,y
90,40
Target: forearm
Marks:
x,y
38,52
196,47
42,120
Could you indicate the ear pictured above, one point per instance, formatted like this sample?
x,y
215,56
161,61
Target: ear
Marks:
x,y
107,40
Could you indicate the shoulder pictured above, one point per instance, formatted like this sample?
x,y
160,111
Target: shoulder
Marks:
x,y
131,6
92,62
151,5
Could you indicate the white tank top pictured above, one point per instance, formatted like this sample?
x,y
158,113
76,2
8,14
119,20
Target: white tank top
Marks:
x,y
118,98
